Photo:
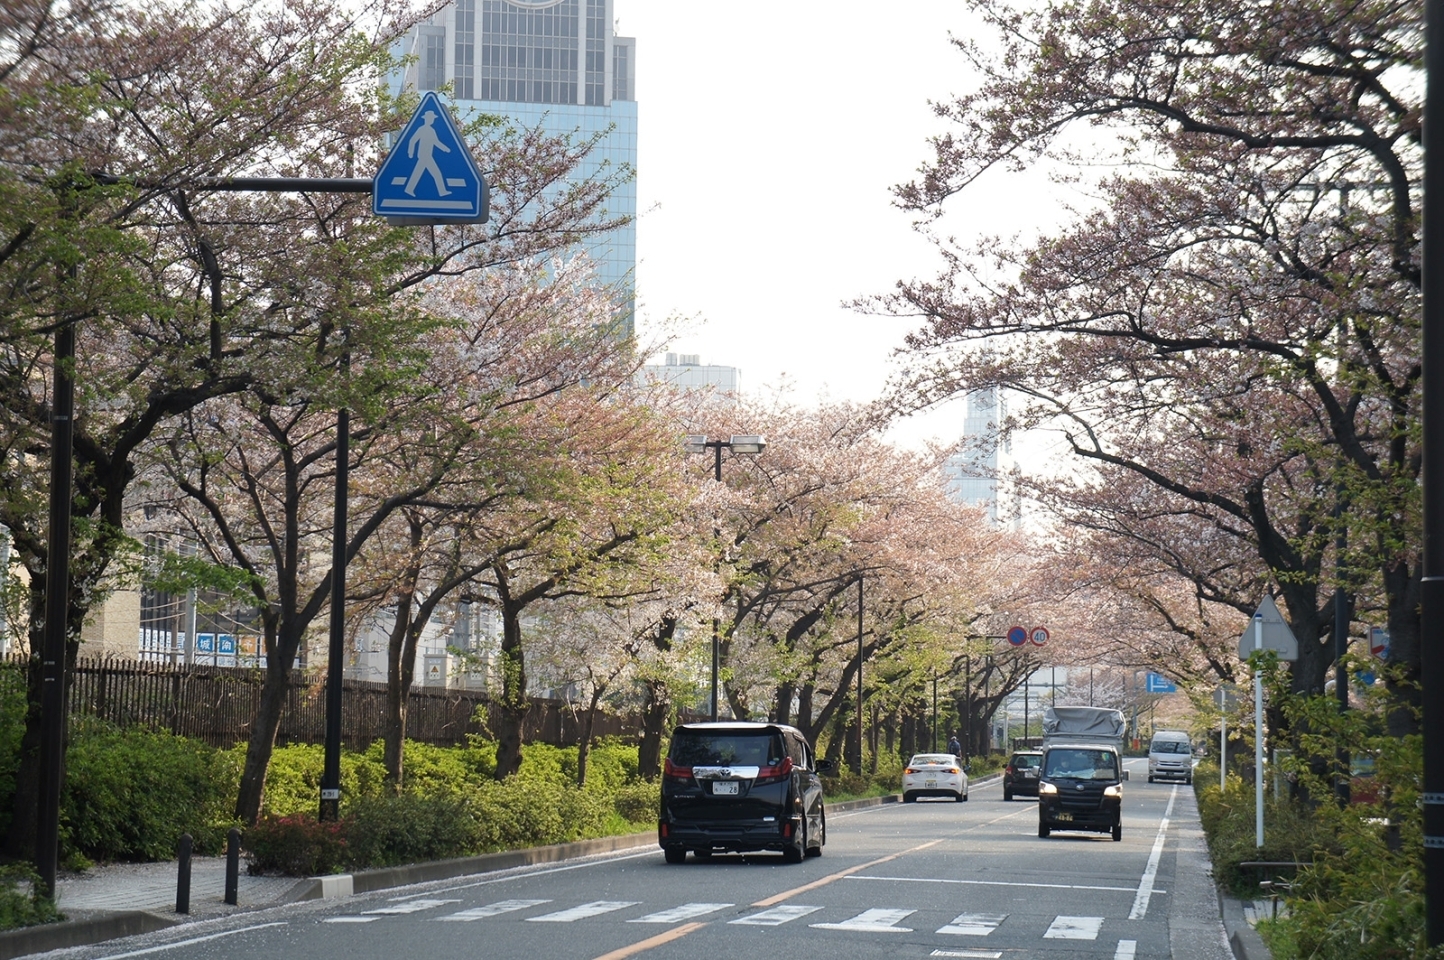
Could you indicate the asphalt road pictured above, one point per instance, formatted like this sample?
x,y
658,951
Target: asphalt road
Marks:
x,y
930,879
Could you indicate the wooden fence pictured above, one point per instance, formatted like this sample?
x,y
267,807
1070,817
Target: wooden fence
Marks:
x,y
217,705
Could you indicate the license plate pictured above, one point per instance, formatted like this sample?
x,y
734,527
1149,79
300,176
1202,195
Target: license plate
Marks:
x,y
1030,774
724,788
1065,817
931,784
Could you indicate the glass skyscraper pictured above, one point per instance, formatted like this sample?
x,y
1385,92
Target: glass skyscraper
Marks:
x,y
553,64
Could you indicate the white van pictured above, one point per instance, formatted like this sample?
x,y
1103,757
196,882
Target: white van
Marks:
x,y
1170,755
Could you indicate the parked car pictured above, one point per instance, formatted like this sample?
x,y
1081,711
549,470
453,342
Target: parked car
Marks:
x,y
1170,754
1020,776
934,775
738,787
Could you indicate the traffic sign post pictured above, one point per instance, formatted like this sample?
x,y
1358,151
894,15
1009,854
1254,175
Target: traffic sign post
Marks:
x,y
1379,643
1039,636
1268,632
429,177
1017,636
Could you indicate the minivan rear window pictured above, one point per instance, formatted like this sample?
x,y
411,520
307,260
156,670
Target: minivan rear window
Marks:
x,y
691,749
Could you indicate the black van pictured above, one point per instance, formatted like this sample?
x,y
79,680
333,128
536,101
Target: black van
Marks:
x,y
734,786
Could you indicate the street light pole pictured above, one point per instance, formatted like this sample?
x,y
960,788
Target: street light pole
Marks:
x,y
859,678
741,443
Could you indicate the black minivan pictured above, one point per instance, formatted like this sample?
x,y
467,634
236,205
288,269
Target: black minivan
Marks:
x,y
734,786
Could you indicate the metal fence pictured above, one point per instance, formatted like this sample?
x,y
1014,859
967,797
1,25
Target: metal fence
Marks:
x,y
218,704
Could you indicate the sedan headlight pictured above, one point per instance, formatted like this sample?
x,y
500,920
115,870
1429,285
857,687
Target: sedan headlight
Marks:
x,y
1116,790
1046,789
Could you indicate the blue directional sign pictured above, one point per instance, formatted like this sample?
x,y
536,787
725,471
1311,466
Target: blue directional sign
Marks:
x,y
1157,683
429,176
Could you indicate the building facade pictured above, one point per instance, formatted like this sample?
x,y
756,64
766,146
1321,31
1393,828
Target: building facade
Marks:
x,y
687,372
549,64
976,473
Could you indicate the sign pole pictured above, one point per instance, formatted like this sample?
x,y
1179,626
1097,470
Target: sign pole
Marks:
x,y
1258,735
1223,752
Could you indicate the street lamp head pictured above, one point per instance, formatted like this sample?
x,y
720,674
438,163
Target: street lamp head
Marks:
x,y
747,443
695,443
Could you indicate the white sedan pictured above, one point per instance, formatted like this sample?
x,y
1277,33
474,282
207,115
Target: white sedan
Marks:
x,y
934,775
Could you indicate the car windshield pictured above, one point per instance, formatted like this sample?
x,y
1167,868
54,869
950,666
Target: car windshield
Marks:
x,y
1027,761
933,759
1079,763
1170,746
694,749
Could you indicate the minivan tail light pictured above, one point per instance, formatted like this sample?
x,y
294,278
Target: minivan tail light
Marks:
x,y
775,774
670,769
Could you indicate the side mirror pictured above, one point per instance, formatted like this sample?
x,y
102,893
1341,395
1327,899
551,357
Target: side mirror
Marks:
x,y
1125,774
825,766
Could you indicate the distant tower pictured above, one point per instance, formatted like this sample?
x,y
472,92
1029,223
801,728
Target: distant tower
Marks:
x,y
549,63
973,475
687,372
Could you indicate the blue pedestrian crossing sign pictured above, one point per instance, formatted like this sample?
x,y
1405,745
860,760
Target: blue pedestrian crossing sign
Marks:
x,y
429,176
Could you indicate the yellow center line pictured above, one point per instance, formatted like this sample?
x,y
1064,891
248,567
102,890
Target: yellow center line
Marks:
x,y
674,934
778,898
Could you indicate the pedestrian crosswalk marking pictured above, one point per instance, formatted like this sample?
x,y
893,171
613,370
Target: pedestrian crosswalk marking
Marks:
x,y
685,912
776,916
492,910
592,909
1126,950
349,919
412,906
973,954
1074,928
871,921
974,924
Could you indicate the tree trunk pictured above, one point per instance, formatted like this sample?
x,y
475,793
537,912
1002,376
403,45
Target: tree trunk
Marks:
x,y
511,709
655,710
263,738
589,720
782,702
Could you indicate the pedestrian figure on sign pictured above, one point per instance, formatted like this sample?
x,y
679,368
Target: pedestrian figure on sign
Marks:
x,y
954,747
420,146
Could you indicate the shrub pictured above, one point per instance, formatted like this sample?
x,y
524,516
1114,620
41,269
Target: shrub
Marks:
x,y
297,845
637,802
384,831
21,904
293,779
130,794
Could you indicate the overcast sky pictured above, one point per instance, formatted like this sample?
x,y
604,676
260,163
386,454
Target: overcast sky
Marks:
x,y
770,135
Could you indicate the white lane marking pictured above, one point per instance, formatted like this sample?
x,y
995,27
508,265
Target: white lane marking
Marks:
x,y
411,906
186,943
685,912
871,921
1145,885
775,917
523,873
491,910
974,954
974,924
349,919
595,908
992,883
1074,928
1126,950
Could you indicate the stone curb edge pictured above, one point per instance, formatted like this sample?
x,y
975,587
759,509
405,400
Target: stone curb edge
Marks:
x,y
78,933
347,884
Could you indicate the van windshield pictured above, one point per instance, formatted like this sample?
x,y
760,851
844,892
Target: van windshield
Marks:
x,y
722,749
1078,763
1169,746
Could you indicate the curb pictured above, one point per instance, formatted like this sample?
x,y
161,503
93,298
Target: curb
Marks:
x,y
113,926
78,933
1242,938
366,881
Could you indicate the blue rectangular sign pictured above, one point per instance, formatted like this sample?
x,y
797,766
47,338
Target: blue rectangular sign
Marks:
x,y
1157,683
